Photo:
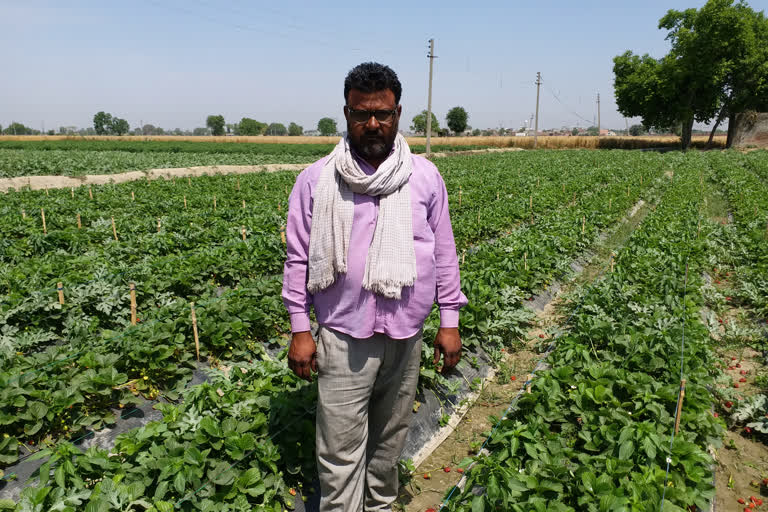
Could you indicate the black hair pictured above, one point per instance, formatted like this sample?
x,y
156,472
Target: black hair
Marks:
x,y
372,77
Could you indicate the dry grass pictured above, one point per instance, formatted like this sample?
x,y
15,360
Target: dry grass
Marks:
x,y
544,142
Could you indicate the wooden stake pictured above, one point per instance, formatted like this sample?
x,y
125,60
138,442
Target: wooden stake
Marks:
x,y
79,223
279,206
90,192
158,225
189,181
478,216
563,188
133,304
282,235
242,230
194,331
265,186
679,406
537,182
60,289
133,197
627,190
460,191
497,195
612,255
185,202
525,260
46,192
463,256
214,202
23,214
243,204
583,224
72,192
114,229
610,203
641,179
530,203
45,229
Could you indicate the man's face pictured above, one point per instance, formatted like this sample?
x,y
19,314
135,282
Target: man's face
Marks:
x,y
372,140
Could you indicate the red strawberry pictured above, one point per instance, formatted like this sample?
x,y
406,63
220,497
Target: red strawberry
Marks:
x,y
513,378
716,415
541,335
747,430
765,481
430,510
742,379
741,500
427,476
459,470
447,469
733,358
731,367
727,298
751,505
738,365
736,384
759,502
743,372
729,404
753,499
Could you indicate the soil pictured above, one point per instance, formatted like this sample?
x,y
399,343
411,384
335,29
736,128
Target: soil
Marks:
x,y
741,463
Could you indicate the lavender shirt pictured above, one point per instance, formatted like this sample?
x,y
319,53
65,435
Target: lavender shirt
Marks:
x,y
346,306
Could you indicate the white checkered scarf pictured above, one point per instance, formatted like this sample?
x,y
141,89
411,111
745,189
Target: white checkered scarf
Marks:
x,y
391,261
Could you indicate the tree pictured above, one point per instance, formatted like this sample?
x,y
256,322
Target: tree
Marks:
x,y
216,124
716,66
200,131
326,126
457,119
102,123
277,129
17,129
119,126
420,123
636,129
295,130
476,132
575,131
592,131
248,126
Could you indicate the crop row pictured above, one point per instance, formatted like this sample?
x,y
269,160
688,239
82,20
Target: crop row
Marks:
x,y
156,355
596,432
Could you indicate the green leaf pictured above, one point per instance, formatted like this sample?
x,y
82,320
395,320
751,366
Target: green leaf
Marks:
x,y
626,450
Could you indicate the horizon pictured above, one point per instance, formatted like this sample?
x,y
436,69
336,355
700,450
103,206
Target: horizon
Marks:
x,y
172,64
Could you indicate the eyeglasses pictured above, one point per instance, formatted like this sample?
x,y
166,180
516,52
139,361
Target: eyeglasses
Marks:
x,y
362,116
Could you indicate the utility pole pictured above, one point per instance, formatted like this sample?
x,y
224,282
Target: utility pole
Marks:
x,y
431,57
598,114
536,127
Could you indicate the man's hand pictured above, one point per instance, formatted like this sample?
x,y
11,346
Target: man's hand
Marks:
x,y
448,342
302,355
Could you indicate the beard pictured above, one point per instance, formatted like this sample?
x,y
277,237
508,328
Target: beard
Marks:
x,y
373,146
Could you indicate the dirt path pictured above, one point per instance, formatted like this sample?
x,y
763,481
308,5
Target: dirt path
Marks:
x,y
53,182
44,182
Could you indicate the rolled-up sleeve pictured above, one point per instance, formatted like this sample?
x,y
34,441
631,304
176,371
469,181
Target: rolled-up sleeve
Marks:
x,y
448,281
296,298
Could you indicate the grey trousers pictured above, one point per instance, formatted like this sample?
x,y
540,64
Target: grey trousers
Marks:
x,y
366,392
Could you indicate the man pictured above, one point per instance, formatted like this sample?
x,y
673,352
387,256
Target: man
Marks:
x,y
370,245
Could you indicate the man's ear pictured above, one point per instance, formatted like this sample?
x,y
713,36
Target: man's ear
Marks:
x,y
399,110
346,113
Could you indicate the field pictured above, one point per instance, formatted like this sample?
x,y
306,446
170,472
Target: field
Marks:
x,y
120,300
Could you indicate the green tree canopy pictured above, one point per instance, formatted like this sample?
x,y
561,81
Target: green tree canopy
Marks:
x,y
277,129
457,119
102,123
295,130
326,126
716,66
216,124
636,129
420,123
119,126
248,126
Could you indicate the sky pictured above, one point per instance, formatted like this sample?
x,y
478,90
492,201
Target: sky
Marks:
x,y
171,63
